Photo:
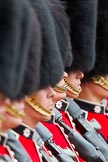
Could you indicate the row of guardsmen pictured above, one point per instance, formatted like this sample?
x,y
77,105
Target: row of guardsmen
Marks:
x,y
53,80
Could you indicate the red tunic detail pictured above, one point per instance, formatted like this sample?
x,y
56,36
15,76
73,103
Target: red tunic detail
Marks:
x,y
58,136
30,147
3,151
103,120
66,118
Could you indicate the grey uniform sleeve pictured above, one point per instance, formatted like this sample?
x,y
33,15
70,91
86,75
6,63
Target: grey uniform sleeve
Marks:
x,y
5,159
17,148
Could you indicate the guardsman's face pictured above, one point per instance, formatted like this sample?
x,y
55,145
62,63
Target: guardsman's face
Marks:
x,y
41,104
46,97
7,119
74,78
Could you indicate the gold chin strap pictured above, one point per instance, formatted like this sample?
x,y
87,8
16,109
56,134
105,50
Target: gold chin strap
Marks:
x,y
101,81
1,120
59,89
71,88
12,110
37,106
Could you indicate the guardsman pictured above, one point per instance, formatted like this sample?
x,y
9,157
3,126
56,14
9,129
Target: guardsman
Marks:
x,y
76,81
31,76
16,30
82,52
40,114
95,83
74,78
39,106
62,31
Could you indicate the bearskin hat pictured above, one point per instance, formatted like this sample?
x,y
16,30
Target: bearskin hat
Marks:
x,y
51,61
32,72
82,15
101,64
15,33
62,27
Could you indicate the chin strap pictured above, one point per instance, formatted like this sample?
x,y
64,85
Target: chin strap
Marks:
x,y
60,89
72,88
100,81
37,106
12,110
1,121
